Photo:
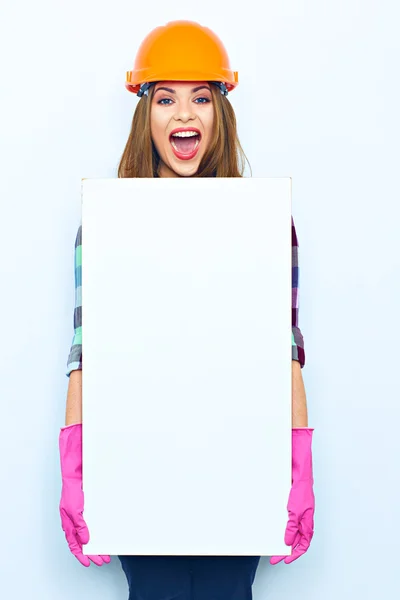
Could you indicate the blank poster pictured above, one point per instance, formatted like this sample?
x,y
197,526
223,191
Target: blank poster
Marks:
x,y
186,320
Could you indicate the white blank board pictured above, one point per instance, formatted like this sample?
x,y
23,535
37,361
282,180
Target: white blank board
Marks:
x,y
186,320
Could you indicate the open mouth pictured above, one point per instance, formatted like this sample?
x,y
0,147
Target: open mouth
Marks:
x,y
185,144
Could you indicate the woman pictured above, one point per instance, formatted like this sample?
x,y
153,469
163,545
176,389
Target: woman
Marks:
x,y
184,126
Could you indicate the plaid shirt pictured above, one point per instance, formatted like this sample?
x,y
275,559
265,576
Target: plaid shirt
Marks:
x,y
75,355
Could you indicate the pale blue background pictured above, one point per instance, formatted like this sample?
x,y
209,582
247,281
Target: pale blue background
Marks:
x,y
318,101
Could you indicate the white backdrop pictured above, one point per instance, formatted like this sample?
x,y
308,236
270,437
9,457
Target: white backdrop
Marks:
x,y
318,101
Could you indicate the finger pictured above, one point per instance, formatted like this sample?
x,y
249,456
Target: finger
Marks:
x,y
307,527
303,540
106,558
292,529
293,557
70,535
300,550
83,559
82,534
96,559
275,559
72,540
75,547
295,544
82,531
296,540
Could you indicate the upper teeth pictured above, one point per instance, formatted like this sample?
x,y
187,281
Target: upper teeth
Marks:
x,y
184,133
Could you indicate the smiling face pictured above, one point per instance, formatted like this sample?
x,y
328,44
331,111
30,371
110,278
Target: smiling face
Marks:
x,y
183,108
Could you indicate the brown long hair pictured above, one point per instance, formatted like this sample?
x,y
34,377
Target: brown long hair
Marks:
x,y
224,156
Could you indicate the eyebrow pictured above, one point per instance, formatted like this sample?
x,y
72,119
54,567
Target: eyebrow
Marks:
x,y
196,89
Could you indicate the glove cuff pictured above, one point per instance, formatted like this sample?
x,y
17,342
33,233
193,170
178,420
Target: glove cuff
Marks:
x,y
301,454
70,446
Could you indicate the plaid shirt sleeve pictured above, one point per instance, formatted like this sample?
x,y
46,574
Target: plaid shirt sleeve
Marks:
x,y
297,337
75,354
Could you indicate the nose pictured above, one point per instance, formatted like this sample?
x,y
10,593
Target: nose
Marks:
x,y
184,111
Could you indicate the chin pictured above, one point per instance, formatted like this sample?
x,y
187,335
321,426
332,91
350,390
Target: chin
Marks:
x,y
184,170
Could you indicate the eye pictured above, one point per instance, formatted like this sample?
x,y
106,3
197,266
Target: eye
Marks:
x,y
170,100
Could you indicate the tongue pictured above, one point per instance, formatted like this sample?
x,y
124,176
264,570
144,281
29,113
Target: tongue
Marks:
x,y
185,145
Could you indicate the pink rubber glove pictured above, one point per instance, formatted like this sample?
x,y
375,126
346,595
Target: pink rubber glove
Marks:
x,y
301,504
71,503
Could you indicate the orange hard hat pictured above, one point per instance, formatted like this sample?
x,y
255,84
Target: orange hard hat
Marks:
x,y
181,51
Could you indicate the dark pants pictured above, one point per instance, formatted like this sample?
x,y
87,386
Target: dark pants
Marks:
x,y
190,577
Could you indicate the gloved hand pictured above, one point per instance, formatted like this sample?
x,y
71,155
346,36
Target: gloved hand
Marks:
x,y
71,503
301,503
